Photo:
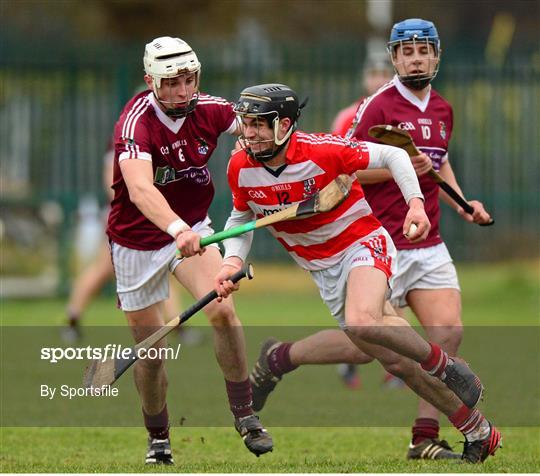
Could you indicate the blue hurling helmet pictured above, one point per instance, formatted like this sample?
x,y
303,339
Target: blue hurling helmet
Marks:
x,y
415,30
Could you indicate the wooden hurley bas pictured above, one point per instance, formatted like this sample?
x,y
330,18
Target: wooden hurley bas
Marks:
x,y
100,373
391,135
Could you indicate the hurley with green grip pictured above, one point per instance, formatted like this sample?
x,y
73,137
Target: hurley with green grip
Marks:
x,y
327,199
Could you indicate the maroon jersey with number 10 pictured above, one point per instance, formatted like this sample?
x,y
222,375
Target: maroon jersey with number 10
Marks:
x,y
430,124
179,151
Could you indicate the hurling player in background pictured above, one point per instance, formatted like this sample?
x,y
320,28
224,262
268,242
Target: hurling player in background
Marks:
x,y
162,191
347,252
426,278
376,73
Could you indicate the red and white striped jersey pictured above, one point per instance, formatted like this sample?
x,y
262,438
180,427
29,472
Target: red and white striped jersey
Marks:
x,y
312,161
179,151
430,124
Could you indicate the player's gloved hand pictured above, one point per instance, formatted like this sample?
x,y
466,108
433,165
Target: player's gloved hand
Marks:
x,y
189,244
421,163
479,215
416,216
222,284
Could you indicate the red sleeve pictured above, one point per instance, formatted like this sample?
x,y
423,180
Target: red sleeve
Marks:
x,y
354,156
233,171
339,155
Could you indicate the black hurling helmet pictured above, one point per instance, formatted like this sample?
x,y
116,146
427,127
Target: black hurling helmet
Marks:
x,y
271,102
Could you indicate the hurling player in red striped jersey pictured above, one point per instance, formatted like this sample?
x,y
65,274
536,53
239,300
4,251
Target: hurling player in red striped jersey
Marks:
x,y
348,253
376,73
163,141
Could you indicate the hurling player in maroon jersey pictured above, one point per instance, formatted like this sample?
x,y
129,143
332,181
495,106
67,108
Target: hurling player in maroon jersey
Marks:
x,y
162,190
426,279
348,254
100,271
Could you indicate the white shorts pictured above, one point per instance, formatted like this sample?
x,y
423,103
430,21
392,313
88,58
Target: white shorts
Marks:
x,y
141,276
422,268
332,282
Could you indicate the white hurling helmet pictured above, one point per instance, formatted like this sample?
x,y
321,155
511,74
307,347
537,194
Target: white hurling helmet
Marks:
x,y
167,57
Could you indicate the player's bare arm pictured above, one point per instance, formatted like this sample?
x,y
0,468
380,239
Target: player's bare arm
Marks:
x,y
422,164
138,177
222,283
236,251
416,216
480,215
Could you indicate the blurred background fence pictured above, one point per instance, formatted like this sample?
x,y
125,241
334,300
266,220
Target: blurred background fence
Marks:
x,y
57,112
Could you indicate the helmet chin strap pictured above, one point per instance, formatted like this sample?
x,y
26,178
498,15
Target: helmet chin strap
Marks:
x,y
268,154
179,112
416,82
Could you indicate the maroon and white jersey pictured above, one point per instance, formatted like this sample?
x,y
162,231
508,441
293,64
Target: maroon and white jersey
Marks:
x,y
312,162
179,151
430,124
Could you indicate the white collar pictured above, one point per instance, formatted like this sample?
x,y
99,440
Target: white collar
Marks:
x,y
409,96
173,124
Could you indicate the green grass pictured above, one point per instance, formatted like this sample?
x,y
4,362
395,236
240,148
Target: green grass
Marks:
x,y
492,294
220,450
284,298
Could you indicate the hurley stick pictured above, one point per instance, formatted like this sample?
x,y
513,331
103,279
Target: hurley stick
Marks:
x,y
391,135
99,373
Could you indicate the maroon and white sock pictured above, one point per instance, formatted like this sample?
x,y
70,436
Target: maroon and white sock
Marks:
x,y
279,360
157,425
423,429
436,362
470,422
240,398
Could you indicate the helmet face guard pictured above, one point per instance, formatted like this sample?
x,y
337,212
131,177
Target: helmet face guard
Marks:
x,y
165,97
271,103
167,58
267,148
415,32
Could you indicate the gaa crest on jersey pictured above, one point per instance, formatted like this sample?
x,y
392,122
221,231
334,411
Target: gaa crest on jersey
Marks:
x,y
406,126
202,146
310,187
442,129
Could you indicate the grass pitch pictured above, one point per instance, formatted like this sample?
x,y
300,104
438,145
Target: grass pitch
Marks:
x,y
220,450
494,295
